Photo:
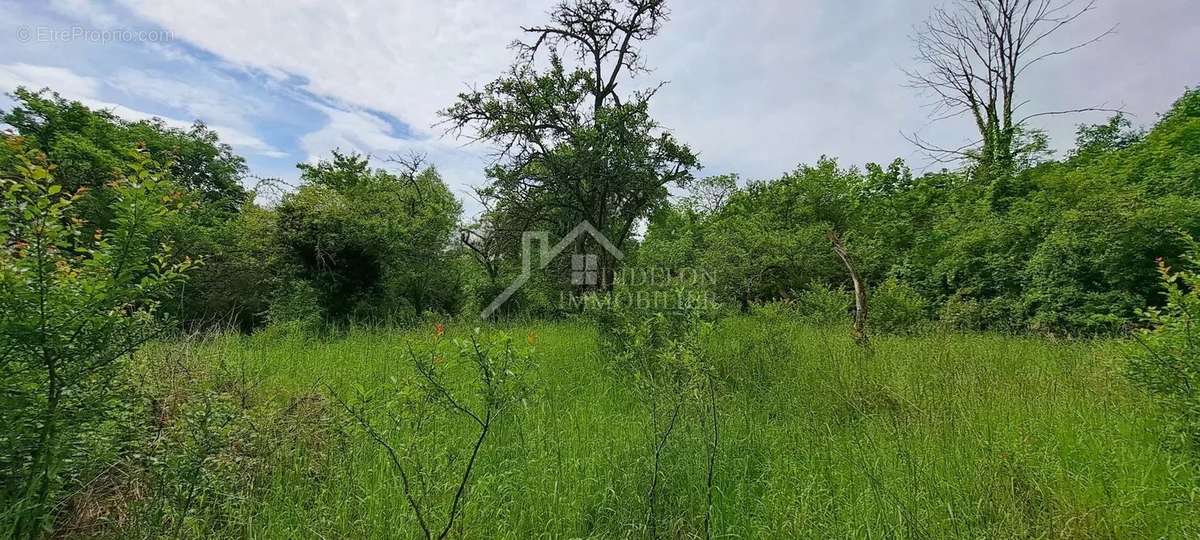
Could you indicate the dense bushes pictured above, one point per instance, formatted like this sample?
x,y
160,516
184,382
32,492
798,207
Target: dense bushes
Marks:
x,y
370,243
243,276
90,148
897,308
1063,247
75,303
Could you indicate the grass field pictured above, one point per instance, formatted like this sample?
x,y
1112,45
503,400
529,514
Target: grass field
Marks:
x,y
934,436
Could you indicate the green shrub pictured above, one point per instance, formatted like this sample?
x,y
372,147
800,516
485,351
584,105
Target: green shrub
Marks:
x,y
467,385
778,309
76,302
1166,358
295,309
967,313
895,307
370,242
243,270
820,303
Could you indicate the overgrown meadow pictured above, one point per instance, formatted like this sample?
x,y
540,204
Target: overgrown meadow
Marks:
x,y
940,435
1001,348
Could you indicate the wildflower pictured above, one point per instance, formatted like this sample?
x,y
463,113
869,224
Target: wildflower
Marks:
x,y
439,329
531,338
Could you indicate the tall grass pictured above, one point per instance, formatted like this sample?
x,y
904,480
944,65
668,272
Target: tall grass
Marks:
x,y
934,436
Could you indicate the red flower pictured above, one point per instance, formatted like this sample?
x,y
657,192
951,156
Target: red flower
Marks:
x,y
439,329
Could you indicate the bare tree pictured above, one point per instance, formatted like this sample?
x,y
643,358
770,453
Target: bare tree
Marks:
x,y
483,246
859,328
974,54
604,37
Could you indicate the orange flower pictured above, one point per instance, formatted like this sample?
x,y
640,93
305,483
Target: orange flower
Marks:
x,y
531,338
439,329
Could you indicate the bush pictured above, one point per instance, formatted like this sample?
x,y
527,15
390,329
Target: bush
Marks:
x,y
1166,359
371,243
895,307
296,309
478,382
820,303
243,269
76,302
656,347
967,313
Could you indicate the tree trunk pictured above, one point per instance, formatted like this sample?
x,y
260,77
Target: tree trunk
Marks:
x,y
859,329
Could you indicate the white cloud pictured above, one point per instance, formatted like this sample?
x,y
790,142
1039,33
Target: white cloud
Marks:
x,y
87,91
408,59
62,80
350,130
754,88
87,11
202,103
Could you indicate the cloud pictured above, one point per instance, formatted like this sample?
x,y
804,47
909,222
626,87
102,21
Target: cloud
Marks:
x,y
754,88
406,59
365,65
202,103
88,90
62,80
87,11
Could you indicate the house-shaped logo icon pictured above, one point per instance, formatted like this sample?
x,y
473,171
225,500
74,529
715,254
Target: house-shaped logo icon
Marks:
x,y
585,268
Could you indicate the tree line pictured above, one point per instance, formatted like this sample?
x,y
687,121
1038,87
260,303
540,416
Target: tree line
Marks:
x,y
1009,237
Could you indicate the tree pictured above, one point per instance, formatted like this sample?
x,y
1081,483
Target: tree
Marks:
x,y
570,147
1115,134
748,252
709,195
831,197
974,55
371,242
90,148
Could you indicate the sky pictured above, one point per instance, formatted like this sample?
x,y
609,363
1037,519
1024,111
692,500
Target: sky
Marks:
x,y
755,87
